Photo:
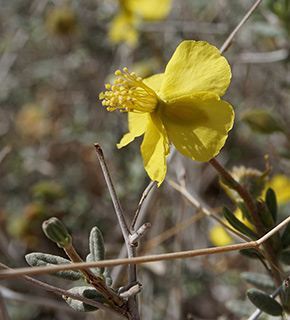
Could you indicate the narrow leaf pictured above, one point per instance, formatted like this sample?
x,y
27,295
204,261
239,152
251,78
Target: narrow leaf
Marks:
x,y
86,292
262,281
285,238
271,202
97,247
237,224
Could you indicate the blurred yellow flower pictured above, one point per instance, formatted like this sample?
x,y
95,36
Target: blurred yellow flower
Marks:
x,y
219,237
279,183
181,105
123,29
131,13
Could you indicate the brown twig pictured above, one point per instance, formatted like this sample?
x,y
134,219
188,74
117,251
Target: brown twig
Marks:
x,y
231,37
61,292
150,187
132,301
206,212
144,259
97,282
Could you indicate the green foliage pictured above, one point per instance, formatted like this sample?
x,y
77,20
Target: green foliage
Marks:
x,y
97,247
271,202
262,281
285,238
47,191
285,257
264,302
262,121
252,253
97,253
39,259
237,224
86,292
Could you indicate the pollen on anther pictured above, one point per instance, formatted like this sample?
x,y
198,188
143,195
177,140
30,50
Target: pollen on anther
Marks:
x,y
125,70
108,86
118,73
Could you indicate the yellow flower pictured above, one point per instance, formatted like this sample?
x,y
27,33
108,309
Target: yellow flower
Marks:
x,y
123,29
131,13
219,236
281,185
181,105
149,9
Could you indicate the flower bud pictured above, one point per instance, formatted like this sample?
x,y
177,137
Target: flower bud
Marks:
x,y
55,230
262,121
251,179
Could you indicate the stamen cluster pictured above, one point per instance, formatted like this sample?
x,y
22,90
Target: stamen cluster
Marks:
x,y
129,94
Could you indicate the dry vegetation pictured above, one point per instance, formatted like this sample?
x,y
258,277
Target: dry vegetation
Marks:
x,y
50,78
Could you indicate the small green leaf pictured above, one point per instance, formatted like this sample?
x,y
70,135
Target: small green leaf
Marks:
x,y
284,153
87,292
262,281
107,276
271,202
252,253
285,238
39,259
97,248
285,257
264,302
237,224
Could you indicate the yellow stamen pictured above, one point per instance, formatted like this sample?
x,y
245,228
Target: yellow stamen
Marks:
x,y
129,94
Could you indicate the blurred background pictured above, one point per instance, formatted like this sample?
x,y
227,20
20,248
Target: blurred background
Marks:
x,y
55,57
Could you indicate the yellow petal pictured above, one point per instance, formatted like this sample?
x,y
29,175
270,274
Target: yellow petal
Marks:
x,y
198,124
219,237
155,81
195,66
155,149
149,9
137,123
123,29
281,185
239,215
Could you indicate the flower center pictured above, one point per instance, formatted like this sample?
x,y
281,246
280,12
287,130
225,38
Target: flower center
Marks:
x,y
129,94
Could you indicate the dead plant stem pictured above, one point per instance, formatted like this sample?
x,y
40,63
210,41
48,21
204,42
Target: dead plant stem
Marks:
x,y
61,292
231,37
144,259
131,250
